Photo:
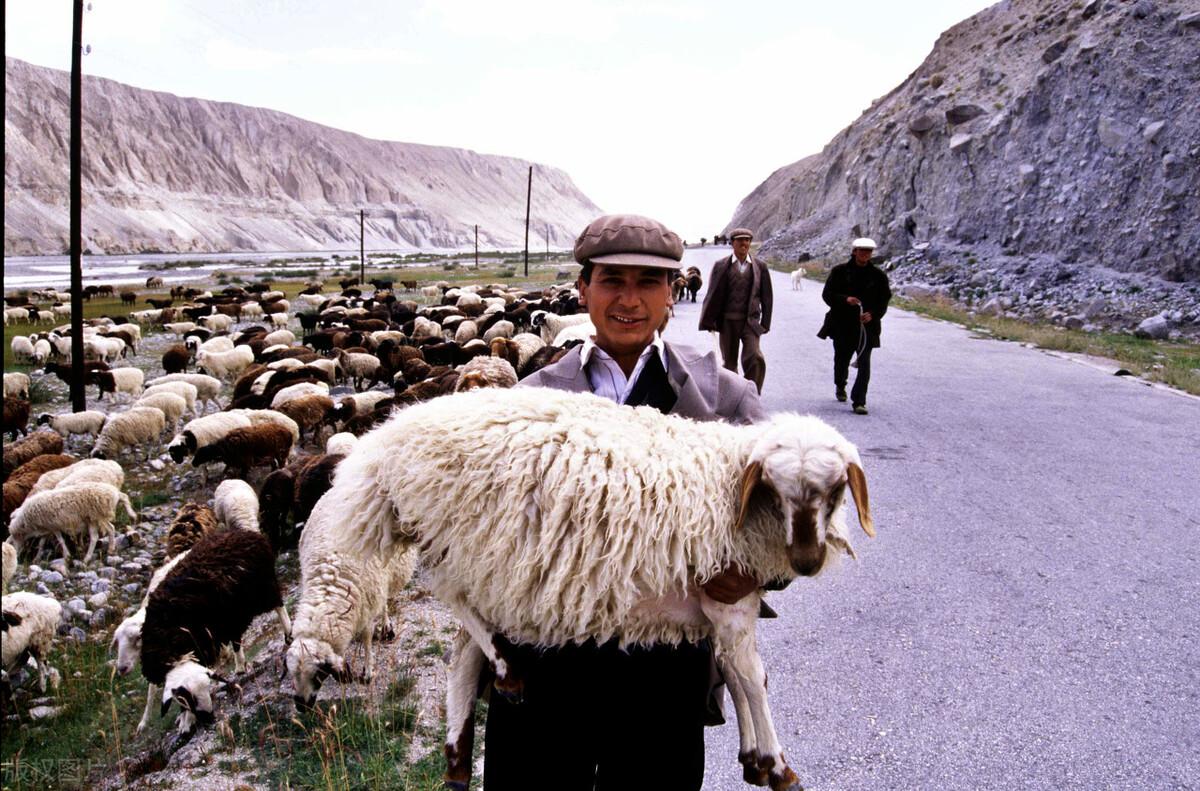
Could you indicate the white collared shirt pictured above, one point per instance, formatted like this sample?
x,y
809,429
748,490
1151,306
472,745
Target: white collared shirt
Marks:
x,y
605,375
741,265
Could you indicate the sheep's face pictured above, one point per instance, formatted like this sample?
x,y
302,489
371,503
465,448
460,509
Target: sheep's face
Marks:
x,y
309,663
190,685
808,465
127,640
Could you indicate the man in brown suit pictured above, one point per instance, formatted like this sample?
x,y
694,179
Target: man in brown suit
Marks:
x,y
738,307
596,717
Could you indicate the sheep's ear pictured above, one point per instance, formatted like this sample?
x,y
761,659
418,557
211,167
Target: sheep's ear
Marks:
x,y
751,478
858,489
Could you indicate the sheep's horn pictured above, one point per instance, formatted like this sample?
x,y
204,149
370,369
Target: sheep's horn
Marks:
x,y
751,477
858,489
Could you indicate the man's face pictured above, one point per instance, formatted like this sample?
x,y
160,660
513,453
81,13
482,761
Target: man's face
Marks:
x,y
627,304
741,247
862,255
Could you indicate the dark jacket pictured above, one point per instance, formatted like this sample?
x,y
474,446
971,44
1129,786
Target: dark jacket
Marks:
x,y
758,317
870,284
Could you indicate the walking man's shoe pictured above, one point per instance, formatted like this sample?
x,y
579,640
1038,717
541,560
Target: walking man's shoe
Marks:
x,y
841,394
860,409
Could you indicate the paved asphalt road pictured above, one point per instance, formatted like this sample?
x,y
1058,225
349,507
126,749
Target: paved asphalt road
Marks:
x,y
1029,615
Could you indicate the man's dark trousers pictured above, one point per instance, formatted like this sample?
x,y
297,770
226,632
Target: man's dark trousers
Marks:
x,y
843,350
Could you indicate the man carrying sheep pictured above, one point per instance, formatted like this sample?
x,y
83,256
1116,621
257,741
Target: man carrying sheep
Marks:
x,y
738,307
594,716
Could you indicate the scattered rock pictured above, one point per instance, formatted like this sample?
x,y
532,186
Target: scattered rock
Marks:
x,y
960,141
922,124
1055,50
1143,9
98,599
39,713
1113,133
77,634
1150,132
1157,327
51,577
1073,322
132,587
100,586
961,113
1190,20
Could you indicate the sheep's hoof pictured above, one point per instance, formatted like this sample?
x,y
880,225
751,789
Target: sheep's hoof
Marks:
x,y
752,773
785,780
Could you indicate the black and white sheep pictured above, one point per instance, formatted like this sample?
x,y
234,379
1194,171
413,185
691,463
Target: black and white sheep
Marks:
x,y
243,448
204,431
536,504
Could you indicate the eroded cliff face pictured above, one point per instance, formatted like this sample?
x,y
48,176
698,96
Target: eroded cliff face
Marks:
x,y
174,174
1038,134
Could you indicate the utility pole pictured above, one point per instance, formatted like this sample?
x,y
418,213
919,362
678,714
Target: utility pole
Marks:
x,y
362,249
547,241
528,200
78,392
476,246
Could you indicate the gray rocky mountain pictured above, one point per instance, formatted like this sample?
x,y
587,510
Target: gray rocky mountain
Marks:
x,y
164,173
1044,161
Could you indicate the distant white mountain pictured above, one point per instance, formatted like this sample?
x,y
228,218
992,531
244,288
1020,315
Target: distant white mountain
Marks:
x,y
164,173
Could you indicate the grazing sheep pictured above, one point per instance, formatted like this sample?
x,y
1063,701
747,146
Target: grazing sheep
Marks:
x,y
259,417
286,364
207,600
16,416
97,347
466,331
16,385
551,324
182,389
217,322
192,522
486,372
536,505
176,359
180,328
82,471
275,498
501,329
358,367
225,365
171,405
342,442
69,510
311,413
119,380
207,388
221,343
518,350
243,448
20,484
41,351
204,431
8,565
236,506
279,319
297,390
30,447
342,596
356,404
22,348
140,427
70,424
29,625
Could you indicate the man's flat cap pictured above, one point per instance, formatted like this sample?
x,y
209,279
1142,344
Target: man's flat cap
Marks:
x,y
630,240
741,233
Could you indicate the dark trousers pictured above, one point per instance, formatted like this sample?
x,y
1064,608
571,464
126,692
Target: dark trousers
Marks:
x,y
843,350
735,333
600,719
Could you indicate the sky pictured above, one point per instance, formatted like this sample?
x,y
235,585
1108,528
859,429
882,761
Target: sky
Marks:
x,y
671,109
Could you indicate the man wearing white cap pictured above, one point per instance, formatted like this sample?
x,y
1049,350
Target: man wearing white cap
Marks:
x,y
738,307
857,293
598,717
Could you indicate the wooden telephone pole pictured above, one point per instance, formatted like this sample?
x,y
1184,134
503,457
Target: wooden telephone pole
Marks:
x,y
362,248
528,200
78,394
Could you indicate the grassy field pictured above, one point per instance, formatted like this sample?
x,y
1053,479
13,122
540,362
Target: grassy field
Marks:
x,y
1174,364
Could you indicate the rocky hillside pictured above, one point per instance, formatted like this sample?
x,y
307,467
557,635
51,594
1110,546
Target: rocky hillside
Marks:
x,y
173,174
1044,146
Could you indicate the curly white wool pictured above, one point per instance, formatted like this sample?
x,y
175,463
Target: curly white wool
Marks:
x,y
343,442
236,505
299,389
184,390
8,564
82,471
16,385
225,365
207,387
72,510
67,424
139,427
39,618
171,405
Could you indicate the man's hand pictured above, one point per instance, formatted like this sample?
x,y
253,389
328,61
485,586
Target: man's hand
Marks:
x,y
853,301
865,317
730,586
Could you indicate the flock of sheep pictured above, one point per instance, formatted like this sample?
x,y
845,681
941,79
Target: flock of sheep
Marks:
x,y
509,498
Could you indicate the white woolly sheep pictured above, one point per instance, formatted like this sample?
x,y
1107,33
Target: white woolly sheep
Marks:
x,y
501,329
98,347
286,364
466,330
41,351
424,328
285,337
236,505
552,324
343,442
180,328
535,503
279,319
357,366
798,279
576,332
171,405
16,385
208,388
127,381
362,403
342,596
8,564
486,372
184,390
68,424
139,427
221,343
29,625
22,348
217,322
69,510
82,471
225,365
299,389
252,311
146,316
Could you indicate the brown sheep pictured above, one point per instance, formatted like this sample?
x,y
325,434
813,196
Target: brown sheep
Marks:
x,y
191,523
16,416
32,446
243,448
241,387
310,412
18,485
175,359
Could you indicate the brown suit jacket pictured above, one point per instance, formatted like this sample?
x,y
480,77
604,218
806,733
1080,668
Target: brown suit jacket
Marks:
x,y
704,389
758,318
